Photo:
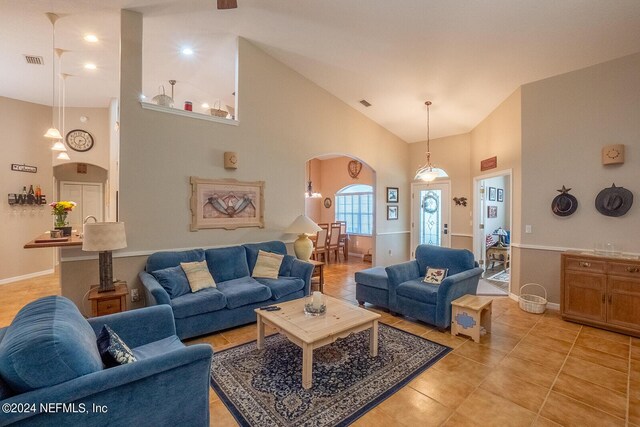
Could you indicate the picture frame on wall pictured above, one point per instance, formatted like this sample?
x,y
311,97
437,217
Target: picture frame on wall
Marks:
x,y
500,195
392,195
392,212
492,194
492,211
226,203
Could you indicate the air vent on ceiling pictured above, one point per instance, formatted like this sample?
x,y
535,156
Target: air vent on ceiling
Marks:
x,y
365,103
34,60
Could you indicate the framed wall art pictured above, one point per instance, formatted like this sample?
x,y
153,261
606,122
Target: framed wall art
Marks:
x,y
392,212
392,194
492,211
492,194
226,203
500,195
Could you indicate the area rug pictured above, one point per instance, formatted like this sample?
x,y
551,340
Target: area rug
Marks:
x,y
264,387
502,276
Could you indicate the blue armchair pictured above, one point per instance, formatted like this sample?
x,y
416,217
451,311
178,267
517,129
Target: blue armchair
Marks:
x,y
410,296
47,356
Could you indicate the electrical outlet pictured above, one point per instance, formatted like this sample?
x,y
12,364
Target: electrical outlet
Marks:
x,y
390,252
135,295
527,229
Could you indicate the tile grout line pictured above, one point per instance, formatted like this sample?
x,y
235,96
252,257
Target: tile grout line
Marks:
x,y
627,421
483,380
573,344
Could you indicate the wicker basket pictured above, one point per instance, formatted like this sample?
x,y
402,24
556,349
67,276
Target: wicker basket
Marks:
x,y
533,303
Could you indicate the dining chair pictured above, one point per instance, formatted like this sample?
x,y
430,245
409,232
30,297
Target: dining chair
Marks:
x,y
334,241
320,246
344,239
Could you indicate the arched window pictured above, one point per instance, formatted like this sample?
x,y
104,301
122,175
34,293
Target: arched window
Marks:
x,y
354,204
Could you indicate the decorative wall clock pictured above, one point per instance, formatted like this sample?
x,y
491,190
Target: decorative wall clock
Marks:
x,y
80,140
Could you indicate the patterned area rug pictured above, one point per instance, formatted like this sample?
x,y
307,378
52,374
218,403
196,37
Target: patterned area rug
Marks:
x,y
502,276
264,387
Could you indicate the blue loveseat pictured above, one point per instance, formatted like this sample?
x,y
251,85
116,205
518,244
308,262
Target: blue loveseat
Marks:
x,y
237,294
49,356
410,296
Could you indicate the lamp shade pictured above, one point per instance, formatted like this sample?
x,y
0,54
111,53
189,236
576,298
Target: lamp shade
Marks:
x,y
303,225
104,236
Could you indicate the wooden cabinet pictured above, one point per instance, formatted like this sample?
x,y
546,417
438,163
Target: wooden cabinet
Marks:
x,y
601,291
111,302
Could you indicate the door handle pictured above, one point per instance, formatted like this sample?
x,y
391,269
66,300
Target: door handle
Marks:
x,y
633,269
585,264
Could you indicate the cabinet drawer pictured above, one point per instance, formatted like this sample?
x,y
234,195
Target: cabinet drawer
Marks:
x,y
581,264
109,306
625,269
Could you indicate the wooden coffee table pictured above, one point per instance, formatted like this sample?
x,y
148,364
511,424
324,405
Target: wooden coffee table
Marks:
x,y
308,332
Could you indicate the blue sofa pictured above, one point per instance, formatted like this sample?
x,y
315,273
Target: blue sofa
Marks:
x,y
410,296
49,355
237,294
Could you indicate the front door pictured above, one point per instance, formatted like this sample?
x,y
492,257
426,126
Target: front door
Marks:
x,y
430,217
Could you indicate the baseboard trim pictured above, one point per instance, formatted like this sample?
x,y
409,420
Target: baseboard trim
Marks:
x,y
26,276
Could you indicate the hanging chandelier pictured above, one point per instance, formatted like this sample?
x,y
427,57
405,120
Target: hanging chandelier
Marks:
x,y
53,132
309,194
428,172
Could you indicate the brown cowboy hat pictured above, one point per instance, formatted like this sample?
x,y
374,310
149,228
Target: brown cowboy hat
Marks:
x,y
614,201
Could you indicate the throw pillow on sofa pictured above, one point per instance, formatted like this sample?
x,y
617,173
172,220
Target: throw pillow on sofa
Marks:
x,y
173,280
435,276
113,350
267,265
198,275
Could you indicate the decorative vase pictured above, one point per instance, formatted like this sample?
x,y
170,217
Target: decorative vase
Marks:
x,y
61,224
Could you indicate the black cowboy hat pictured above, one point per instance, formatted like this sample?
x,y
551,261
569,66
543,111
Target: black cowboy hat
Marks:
x,y
564,204
614,201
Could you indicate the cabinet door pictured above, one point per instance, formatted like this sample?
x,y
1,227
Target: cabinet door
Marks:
x,y
584,295
623,302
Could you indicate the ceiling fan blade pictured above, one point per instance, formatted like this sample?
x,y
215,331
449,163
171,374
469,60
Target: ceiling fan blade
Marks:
x,y
227,4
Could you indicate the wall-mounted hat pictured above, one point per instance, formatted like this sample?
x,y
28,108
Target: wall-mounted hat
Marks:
x,y
614,201
564,204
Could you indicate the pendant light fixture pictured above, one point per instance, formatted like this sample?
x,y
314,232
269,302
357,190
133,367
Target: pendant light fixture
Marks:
x,y
309,194
63,155
53,132
59,144
428,172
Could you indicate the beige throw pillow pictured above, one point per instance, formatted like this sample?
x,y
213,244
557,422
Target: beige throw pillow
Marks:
x,y
198,275
267,265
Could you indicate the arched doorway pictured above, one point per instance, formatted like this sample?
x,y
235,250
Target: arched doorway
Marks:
x,y
85,184
343,188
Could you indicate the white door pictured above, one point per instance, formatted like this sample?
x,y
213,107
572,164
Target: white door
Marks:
x,y
430,215
88,196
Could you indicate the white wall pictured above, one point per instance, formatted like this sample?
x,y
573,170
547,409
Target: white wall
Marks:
x,y
23,125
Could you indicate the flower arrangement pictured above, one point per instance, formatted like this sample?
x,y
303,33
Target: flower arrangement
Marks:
x,y
60,210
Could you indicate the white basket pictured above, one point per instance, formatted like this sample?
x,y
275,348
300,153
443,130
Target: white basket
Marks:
x,y
533,303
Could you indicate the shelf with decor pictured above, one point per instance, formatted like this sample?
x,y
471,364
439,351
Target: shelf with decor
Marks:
x,y
185,113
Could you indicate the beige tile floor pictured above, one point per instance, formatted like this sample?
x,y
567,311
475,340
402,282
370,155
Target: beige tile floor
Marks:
x,y
532,370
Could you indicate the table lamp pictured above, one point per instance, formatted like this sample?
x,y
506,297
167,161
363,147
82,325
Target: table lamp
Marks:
x,y
303,247
104,237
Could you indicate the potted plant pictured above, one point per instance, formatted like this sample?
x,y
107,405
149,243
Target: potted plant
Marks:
x,y
60,210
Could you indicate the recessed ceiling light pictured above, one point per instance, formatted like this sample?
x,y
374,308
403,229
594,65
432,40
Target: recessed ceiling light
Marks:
x,y
91,38
187,51
205,105
90,66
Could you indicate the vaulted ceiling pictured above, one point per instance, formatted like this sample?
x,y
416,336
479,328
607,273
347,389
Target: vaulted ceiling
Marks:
x,y
465,56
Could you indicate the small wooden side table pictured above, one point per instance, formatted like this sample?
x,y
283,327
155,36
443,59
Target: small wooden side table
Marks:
x,y
318,271
499,254
108,302
469,313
